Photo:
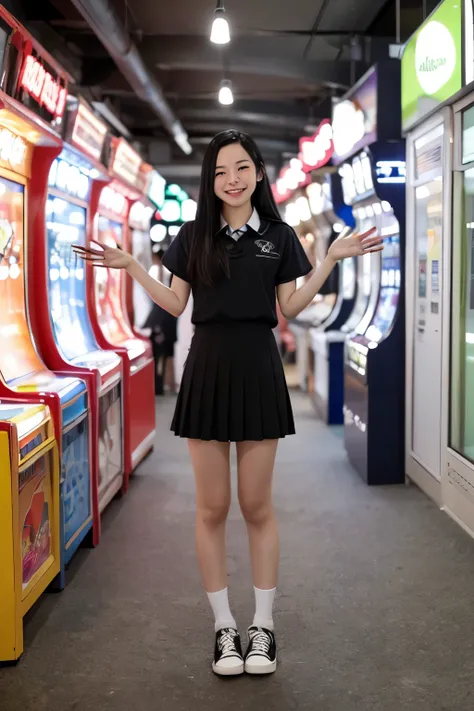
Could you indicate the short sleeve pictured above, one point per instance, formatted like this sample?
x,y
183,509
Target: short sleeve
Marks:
x,y
294,262
176,256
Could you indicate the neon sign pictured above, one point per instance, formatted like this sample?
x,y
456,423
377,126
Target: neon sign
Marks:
x,y
356,178
114,201
126,163
140,216
391,171
43,87
290,178
354,118
88,132
69,178
316,151
156,189
12,148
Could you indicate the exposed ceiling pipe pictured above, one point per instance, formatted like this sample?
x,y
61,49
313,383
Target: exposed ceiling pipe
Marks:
x,y
104,21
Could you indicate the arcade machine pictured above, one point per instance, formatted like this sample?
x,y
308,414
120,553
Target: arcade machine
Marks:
x,y
315,232
61,323
327,340
108,311
28,145
374,185
29,517
139,244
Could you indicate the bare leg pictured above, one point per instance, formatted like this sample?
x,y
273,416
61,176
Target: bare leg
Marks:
x,y
212,474
255,467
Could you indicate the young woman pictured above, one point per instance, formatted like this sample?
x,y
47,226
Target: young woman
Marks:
x,y
236,257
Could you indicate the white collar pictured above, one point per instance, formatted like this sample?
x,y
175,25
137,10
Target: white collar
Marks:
x,y
253,222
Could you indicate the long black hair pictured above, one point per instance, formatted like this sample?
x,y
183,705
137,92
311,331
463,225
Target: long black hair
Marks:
x,y
208,257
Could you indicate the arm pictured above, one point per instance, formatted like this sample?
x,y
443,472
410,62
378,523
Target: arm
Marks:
x,y
172,299
292,300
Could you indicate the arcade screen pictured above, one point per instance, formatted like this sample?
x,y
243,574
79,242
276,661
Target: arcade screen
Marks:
x,y
17,354
66,225
142,303
349,276
109,288
389,290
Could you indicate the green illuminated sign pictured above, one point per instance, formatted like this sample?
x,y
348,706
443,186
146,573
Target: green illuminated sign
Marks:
x,y
432,62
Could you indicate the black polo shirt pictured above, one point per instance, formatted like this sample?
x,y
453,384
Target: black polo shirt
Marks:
x,y
258,261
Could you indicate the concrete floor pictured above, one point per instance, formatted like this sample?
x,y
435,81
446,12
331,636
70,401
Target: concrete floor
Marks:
x,y
375,609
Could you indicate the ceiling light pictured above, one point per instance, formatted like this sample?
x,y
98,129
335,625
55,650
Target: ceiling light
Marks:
x,y
225,93
220,33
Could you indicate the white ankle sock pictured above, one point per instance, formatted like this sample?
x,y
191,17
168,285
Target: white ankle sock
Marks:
x,y
264,608
220,607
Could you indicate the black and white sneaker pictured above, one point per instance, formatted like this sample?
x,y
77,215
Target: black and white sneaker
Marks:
x,y
261,656
228,659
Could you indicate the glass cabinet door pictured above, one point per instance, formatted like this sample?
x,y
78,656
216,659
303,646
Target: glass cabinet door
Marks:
x,y
462,332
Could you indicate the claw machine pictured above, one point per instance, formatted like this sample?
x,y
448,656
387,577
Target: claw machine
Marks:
x,y
108,307
31,114
60,322
29,516
371,156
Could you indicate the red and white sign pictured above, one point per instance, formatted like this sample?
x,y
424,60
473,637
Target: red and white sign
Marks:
x,y
43,87
290,179
88,132
126,163
113,201
316,151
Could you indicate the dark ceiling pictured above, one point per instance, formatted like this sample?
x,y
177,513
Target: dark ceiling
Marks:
x,y
286,60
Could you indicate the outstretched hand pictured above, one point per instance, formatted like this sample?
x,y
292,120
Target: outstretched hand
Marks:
x,y
109,257
355,245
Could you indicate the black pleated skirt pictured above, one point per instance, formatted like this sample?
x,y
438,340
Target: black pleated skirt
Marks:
x,y
233,387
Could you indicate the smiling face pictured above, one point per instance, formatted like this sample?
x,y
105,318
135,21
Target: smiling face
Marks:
x,y
235,176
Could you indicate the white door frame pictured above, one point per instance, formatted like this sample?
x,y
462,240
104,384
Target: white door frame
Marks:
x,y
415,469
458,472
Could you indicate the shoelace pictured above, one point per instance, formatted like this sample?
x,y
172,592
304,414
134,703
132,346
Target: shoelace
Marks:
x,y
226,642
261,642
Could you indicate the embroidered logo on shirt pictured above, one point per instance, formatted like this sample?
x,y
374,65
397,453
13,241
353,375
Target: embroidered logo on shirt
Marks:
x,y
267,249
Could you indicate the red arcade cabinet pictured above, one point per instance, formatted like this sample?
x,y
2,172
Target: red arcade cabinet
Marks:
x,y
108,309
60,322
33,91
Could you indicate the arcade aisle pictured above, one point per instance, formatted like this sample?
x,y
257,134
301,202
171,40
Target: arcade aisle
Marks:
x,y
374,612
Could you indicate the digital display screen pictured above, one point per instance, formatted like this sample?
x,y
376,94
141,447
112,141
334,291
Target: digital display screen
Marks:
x,y
6,236
348,278
389,290
367,172
348,184
17,355
358,176
66,225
